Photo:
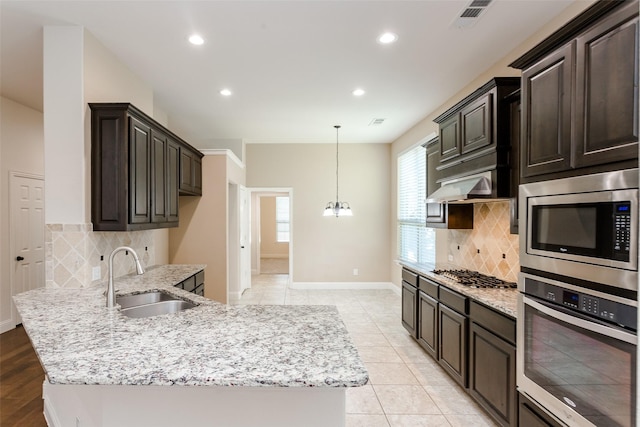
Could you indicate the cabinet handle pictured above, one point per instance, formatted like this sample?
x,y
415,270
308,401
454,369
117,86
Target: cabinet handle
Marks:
x,y
19,258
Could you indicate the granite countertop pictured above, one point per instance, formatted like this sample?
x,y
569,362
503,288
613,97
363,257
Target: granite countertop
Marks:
x,y
80,341
502,300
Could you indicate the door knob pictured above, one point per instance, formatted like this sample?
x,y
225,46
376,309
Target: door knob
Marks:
x,y
19,258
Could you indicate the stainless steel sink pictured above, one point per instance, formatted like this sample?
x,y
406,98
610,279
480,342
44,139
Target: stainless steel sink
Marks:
x,y
127,301
157,308
153,303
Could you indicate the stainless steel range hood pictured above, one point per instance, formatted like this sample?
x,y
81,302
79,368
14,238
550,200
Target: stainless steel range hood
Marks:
x,y
464,190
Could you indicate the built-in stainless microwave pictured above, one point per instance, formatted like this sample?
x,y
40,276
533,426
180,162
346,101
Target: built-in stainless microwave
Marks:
x,y
583,228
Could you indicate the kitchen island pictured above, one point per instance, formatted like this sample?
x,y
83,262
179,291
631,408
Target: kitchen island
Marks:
x,y
210,365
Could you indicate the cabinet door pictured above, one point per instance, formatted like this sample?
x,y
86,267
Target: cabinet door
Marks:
x,y
452,337
546,114
197,175
607,90
186,170
428,324
514,160
492,374
159,165
190,172
450,138
435,211
409,308
475,124
173,175
139,174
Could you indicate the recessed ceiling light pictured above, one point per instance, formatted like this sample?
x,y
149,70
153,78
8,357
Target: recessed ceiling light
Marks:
x,y
225,92
358,92
196,39
387,38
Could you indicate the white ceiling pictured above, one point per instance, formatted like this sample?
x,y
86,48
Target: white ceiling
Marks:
x,y
291,65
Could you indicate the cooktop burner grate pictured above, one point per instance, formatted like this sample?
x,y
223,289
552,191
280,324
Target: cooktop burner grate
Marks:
x,y
475,280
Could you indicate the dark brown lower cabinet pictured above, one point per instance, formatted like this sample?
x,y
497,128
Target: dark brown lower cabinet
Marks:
x,y
492,374
193,284
474,343
409,308
492,363
428,323
529,415
452,328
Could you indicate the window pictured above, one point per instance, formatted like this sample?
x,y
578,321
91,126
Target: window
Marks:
x,y
282,219
416,242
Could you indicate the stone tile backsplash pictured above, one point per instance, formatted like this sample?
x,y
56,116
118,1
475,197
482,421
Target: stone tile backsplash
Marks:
x,y
489,248
73,250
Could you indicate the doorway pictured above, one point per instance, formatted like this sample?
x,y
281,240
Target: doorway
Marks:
x,y
26,239
272,226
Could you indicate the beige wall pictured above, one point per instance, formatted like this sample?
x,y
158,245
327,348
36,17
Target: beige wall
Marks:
x,y
21,150
202,237
427,126
269,246
327,249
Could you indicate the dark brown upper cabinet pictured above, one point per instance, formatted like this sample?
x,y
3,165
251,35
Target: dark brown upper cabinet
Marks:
x,y
135,170
474,135
190,172
580,96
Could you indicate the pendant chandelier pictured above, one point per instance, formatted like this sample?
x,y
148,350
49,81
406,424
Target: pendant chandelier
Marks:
x,y
337,208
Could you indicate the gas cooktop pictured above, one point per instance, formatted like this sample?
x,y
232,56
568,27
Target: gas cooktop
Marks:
x,y
474,279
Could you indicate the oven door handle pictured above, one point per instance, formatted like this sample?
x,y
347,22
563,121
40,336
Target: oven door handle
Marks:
x,y
581,321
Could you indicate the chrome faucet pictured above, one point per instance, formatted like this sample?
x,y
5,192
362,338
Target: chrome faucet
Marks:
x,y
111,291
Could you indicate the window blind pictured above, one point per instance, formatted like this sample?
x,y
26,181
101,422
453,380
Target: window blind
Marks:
x,y
282,219
416,243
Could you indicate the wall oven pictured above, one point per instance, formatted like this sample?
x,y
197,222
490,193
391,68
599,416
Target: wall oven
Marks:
x,y
577,352
577,314
583,227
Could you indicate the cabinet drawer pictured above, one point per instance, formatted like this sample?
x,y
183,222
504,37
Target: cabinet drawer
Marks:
x,y
189,284
428,287
410,277
503,326
454,300
199,290
200,278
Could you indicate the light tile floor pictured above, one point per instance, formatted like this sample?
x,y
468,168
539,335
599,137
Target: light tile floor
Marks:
x,y
406,386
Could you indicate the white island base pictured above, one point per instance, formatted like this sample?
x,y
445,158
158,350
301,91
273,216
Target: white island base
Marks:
x,y
170,406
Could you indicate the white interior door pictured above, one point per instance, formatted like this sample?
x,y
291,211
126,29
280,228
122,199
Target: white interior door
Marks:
x,y
245,240
27,234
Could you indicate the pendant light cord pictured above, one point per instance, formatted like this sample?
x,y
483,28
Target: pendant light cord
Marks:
x,y
337,160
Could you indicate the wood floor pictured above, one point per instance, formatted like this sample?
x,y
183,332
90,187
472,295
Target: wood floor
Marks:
x,y
21,378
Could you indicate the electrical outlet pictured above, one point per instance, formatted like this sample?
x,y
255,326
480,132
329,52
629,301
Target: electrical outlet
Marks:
x,y
355,272
96,274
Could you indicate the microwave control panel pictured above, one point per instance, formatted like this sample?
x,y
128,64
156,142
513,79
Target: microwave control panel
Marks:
x,y
622,230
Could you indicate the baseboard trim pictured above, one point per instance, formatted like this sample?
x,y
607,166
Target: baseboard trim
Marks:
x,y
344,285
234,295
7,325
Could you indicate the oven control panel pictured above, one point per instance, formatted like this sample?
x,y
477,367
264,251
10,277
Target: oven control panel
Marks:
x,y
611,311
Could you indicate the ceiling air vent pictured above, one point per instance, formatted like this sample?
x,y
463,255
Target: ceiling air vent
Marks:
x,y
470,14
376,122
